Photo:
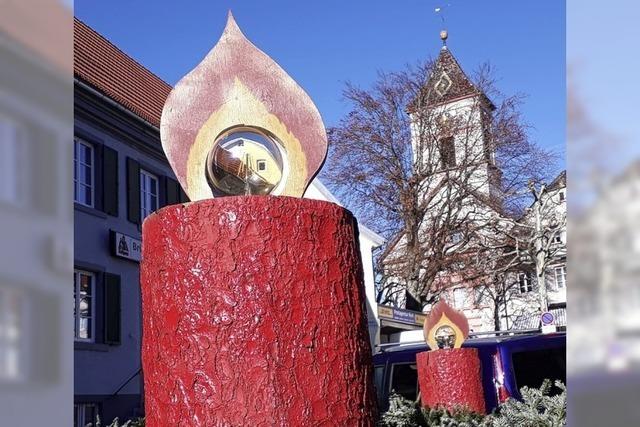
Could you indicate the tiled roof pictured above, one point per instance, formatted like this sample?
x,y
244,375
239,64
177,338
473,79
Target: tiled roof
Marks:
x,y
447,83
100,64
458,84
560,181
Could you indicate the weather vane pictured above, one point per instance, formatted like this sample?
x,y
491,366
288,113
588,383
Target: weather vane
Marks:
x,y
443,33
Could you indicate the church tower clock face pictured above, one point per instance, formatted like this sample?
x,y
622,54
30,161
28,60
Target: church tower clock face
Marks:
x,y
443,84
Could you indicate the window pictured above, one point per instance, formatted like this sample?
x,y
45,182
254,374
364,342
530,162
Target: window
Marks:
x,y
11,335
261,165
85,413
411,302
561,276
148,193
9,146
524,282
557,237
84,305
561,196
404,380
532,367
83,171
489,153
478,295
459,297
447,153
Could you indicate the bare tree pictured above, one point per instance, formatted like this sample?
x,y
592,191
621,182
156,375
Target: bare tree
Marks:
x,y
428,162
510,251
542,230
495,275
499,272
498,293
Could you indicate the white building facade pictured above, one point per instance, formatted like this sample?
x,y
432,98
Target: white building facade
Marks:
x,y
451,137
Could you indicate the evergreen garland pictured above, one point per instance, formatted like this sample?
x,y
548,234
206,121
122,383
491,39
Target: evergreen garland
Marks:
x,y
401,413
138,422
456,418
537,409
405,413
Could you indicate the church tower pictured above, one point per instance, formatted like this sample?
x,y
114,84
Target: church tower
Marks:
x,y
451,127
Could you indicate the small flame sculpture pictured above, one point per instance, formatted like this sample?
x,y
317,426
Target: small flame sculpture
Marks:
x,y
448,375
237,124
445,327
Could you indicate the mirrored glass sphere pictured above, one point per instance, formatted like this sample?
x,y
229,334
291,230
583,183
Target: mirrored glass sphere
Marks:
x,y
244,161
445,337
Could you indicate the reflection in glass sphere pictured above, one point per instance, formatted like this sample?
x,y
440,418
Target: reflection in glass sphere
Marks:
x,y
244,161
445,337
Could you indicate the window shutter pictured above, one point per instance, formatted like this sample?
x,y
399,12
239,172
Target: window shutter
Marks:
x,y
110,181
162,191
111,309
133,190
173,192
98,176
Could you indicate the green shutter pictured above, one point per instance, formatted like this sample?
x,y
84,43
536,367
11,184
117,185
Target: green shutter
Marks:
x,y
112,310
133,190
110,181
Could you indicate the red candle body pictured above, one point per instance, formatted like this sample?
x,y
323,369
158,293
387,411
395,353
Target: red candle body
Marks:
x,y
254,315
451,378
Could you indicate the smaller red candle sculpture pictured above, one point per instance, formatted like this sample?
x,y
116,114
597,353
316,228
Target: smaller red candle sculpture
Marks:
x,y
449,376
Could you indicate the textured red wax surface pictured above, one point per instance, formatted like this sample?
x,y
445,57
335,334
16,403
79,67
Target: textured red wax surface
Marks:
x,y
451,378
254,315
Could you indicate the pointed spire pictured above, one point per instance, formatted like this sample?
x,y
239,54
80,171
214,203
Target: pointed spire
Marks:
x,y
448,81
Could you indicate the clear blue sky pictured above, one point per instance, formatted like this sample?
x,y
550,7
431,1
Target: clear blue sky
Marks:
x,y
604,69
323,44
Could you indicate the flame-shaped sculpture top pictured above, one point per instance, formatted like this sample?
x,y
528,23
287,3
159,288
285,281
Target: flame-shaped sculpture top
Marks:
x,y
442,315
236,98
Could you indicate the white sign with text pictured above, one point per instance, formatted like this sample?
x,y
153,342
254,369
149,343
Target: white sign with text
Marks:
x,y
126,246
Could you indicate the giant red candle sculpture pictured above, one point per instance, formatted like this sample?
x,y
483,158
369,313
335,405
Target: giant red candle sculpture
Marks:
x,y
449,376
253,302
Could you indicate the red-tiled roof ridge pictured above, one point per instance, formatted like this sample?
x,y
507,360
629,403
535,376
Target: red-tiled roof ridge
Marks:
x,y
102,65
